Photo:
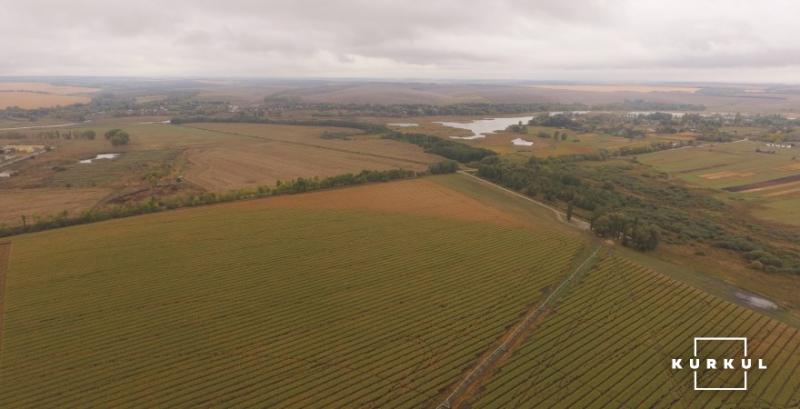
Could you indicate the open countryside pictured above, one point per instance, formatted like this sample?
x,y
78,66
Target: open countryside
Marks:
x,y
557,205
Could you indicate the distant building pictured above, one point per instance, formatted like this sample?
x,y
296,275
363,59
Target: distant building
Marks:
x,y
780,145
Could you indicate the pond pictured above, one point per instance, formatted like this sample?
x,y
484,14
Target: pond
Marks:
x,y
756,301
482,127
107,156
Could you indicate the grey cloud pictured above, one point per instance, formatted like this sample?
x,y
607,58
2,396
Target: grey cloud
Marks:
x,y
390,38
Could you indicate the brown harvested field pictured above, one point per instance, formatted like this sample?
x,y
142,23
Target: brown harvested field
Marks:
x,y
418,196
15,203
29,100
41,95
310,136
264,154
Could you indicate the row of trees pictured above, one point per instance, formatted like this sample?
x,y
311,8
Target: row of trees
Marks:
x,y
449,149
153,205
641,207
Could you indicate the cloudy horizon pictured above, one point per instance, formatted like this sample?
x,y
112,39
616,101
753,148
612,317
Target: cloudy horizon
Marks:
x,y
584,40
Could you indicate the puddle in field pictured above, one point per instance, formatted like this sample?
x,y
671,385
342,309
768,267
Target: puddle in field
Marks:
x,y
521,142
482,127
756,301
403,124
107,156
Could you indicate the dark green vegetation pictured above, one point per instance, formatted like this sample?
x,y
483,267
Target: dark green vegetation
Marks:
x,y
153,205
711,127
117,137
243,118
443,147
246,305
640,206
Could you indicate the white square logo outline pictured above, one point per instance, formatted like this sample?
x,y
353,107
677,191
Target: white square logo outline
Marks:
x,y
743,339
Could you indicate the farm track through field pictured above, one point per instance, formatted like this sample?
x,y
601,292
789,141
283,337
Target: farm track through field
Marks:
x,y
311,145
272,318
609,342
510,338
560,216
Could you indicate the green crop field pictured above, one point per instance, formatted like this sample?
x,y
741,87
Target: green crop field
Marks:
x,y
611,340
725,164
242,305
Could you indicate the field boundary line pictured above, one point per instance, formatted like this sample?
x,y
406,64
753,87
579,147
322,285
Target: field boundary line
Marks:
x,y
561,216
511,337
5,255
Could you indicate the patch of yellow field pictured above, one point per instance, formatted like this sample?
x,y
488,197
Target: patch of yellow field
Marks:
x,y
620,88
30,100
784,189
725,175
791,167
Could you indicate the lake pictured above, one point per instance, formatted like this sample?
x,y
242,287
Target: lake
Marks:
x,y
482,127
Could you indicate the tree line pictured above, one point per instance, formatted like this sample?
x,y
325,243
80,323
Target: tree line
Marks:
x,y
299,185
641,207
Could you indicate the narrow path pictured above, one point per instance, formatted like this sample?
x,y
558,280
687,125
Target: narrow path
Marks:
x,y
561,216
511,337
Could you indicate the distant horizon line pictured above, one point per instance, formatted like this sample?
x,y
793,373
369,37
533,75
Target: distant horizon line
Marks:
x,y
392,80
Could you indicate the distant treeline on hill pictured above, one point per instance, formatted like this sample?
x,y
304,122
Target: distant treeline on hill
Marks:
x,y
339,123
472,108
154,205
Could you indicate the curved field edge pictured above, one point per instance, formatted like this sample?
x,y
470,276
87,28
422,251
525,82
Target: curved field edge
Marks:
x,y
271,307
611,341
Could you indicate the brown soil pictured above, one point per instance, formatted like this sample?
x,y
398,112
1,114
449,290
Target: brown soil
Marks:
x,y
418,196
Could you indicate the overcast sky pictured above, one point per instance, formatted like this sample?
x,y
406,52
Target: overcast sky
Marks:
x,y
612,40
